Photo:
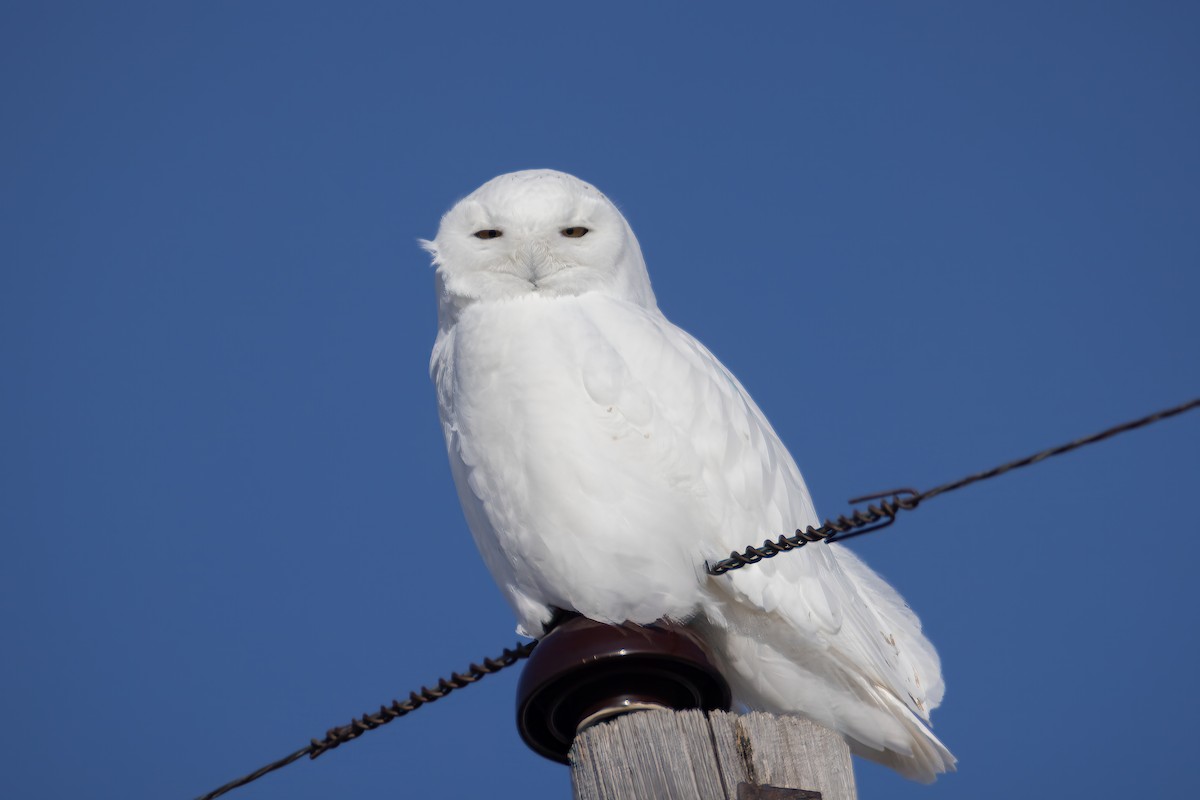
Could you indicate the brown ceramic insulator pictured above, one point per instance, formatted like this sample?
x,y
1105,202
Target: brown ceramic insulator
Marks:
x,y
586,670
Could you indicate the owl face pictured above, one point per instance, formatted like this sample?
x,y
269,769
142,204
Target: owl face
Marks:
x,y
537,233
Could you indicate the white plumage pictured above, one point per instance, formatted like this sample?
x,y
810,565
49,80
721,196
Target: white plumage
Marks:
x,y
582,427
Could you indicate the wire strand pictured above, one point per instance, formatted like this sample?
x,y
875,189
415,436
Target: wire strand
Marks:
x,y
258,773
875,517
397,708
1108,433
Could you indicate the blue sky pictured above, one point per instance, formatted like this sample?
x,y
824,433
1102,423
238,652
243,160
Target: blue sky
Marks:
x,y
927,237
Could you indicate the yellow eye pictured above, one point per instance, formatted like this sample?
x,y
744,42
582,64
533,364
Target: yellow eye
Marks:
x,y
490,233
574,233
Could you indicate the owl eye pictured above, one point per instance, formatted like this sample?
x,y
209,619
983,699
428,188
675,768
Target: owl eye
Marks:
x,y
490,233
574,233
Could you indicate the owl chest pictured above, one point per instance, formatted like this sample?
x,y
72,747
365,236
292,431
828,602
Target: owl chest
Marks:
x,y
541,401
521,373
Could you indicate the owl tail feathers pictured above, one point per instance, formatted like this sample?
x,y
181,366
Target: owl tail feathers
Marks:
x,y
928,757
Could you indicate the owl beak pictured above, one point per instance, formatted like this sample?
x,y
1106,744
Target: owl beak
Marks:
x,y
534,262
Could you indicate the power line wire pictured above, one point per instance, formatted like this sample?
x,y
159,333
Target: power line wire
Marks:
x,y
397,708
879,516
873,518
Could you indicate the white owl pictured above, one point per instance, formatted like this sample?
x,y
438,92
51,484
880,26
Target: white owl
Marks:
x,y
584,427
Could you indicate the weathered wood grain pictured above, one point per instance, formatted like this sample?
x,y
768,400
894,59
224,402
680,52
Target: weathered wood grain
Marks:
x,y
691,755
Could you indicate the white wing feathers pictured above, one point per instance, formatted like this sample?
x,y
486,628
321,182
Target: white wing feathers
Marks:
x,y
605,401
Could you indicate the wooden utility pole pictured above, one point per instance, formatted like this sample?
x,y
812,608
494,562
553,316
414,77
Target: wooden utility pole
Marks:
x,y
714,755
583,699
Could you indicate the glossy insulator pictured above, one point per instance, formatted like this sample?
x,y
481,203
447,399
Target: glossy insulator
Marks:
x,y
585,672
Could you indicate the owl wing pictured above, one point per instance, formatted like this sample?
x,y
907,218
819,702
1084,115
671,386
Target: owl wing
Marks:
x,y
814,631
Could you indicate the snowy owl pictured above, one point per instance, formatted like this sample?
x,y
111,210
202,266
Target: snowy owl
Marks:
x,y
582,426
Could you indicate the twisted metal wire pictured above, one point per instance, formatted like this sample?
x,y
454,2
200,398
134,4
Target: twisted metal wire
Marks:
x,y
369,722
397,709
860,521
875,517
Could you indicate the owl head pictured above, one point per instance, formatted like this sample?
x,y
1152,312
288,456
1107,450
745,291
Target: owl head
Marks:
x,y
536,233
